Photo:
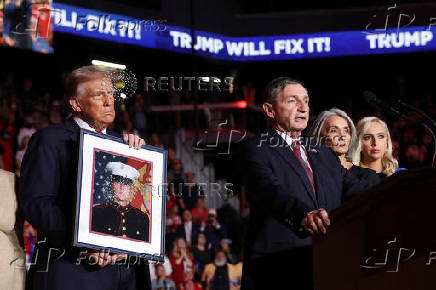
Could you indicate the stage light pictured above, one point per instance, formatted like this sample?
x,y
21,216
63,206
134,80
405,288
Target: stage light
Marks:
x,y
241,104
108,64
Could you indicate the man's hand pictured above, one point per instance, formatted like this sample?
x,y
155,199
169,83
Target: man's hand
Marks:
x,y
104,258
316,221
118,257
134,140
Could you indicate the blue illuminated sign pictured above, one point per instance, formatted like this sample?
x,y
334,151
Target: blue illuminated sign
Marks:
x,y
158,34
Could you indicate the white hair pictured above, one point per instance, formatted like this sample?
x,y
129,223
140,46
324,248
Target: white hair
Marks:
x,y
316,134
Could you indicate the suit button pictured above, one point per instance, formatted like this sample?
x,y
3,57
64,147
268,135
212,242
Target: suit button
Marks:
x,y
124,220
137,232
124,228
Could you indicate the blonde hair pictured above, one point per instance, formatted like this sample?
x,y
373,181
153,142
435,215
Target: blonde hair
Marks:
x,y
389,163
177,251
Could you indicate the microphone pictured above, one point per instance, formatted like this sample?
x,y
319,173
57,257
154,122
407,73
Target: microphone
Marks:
x,y
415,109
371,98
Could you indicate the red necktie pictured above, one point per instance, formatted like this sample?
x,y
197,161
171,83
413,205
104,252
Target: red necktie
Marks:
x,y
296,148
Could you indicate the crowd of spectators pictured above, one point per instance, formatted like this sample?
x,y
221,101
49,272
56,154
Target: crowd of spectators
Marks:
x,y
204,252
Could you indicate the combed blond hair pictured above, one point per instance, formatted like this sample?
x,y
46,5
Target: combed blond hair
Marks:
x,y
81,75
389,163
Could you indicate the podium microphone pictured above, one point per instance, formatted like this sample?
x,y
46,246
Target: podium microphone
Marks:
x,y
415,109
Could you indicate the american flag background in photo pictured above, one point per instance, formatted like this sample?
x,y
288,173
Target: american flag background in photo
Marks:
x,y
102,193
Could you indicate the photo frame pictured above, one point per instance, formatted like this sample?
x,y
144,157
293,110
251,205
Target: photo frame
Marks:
x,y
120,205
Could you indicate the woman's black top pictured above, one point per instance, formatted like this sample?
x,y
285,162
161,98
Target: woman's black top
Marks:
x,y
367,174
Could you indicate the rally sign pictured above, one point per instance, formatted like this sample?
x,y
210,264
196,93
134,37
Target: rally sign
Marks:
x,y
155,33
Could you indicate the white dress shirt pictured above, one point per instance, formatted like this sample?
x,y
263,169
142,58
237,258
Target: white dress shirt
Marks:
x,y
82,124
288,139
188,231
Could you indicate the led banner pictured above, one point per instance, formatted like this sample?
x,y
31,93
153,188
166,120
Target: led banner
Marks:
x,y
26,24
154,33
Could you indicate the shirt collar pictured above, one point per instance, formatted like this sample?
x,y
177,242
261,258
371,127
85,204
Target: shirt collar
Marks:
x,y
82,124
120,207
288,139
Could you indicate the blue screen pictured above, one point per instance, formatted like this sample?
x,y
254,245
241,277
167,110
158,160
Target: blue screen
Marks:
x,y
160,35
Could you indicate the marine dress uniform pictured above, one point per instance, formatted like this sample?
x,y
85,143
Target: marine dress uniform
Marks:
x,y
113,219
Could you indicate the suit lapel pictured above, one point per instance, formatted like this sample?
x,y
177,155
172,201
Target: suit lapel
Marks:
x,y
72,128
282,148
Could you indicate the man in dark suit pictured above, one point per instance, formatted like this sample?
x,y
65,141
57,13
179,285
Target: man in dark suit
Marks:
x,y
188,230
291,185
48,189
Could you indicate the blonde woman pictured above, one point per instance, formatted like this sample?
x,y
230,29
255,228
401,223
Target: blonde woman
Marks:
x,y
374,147
181,260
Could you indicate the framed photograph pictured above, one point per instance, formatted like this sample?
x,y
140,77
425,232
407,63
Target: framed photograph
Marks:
x,y
120,197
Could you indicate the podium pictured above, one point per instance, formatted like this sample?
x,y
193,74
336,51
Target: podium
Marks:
x,y
384,238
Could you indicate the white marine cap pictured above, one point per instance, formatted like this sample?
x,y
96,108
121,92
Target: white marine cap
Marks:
x,y
122,170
